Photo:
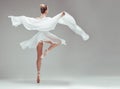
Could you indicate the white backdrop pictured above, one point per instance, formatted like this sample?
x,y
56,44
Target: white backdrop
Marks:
x,y
99,56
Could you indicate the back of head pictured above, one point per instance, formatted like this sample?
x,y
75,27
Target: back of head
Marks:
x,y
43,8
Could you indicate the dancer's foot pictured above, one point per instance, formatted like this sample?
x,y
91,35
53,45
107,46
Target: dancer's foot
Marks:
x,y
38,78
45,53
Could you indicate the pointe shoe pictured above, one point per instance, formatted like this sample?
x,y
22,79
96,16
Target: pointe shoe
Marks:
x,y
38,78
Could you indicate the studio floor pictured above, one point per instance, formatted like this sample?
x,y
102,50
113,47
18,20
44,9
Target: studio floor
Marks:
x,y
63,83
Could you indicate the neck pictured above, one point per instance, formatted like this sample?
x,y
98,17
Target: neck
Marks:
x,y
43,15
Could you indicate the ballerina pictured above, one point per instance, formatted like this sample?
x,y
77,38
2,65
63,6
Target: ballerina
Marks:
x,y
44,25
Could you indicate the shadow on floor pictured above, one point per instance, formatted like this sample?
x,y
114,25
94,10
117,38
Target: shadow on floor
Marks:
x,y
44,82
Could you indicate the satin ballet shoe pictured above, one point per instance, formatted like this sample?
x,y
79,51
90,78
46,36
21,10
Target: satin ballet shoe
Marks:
x,y
38,78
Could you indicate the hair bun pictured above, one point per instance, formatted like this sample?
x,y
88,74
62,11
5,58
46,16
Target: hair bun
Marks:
x,y
43,8
42,5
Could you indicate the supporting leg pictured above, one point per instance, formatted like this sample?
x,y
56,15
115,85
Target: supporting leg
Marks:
x,y
38,62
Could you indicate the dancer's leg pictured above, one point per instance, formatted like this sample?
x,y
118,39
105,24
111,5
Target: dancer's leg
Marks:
x,y
38,62
52,45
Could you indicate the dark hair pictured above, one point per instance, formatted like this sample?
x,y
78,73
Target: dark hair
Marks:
x,y
43,8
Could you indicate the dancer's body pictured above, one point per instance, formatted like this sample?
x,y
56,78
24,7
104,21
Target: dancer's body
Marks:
x,y
40,52
44,24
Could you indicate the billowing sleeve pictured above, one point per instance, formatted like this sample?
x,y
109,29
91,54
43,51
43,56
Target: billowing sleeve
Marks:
x,y
44,24
49,23
68,20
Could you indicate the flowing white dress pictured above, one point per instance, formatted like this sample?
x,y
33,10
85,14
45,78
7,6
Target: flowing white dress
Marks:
x,y
44,26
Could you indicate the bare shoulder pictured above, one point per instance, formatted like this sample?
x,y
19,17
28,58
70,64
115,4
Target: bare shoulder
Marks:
x,y
37,17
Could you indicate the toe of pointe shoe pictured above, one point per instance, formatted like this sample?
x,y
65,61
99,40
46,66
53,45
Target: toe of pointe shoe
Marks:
x,y
38,81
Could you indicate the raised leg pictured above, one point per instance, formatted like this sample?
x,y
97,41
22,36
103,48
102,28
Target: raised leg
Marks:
x,y
38,62
52,45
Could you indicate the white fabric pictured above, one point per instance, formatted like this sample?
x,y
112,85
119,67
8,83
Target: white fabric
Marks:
x,y
44,25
